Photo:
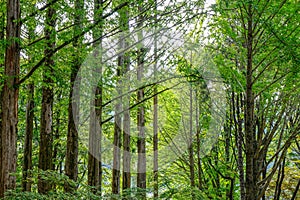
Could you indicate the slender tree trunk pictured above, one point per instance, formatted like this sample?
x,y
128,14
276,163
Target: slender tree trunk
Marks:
x,y
227,135
95,135
251,188
27,158
216,162
296,194
2,50
94,150
118,108
191,150
198,138
236,105
98,93
117,145
56,136
124,26
264,175
46,128
10,95
279,181
155,113
126,145
141,143
73,110
27,154
155,143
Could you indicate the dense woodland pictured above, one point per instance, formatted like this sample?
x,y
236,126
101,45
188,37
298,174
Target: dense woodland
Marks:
x,y
153,99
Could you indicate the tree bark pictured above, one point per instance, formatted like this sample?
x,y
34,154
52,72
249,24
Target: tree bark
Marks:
x,y
95,132
251,189
198,138
279,180
124,26
10,95
141,144
56,136
191,150
73,109
236,106
2,50
46,129
155,112
27,157
295,194
118,108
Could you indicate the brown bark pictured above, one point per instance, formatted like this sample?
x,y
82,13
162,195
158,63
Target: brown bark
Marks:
x,y
2,37
126,148
155,113
236,106
117,143
198,138
118,116
295,193
279,180
95,132
46,128
251,189
94,165
227,136
155,143
73,109
191,150
124,26
56,135
141,144
10,98
27,158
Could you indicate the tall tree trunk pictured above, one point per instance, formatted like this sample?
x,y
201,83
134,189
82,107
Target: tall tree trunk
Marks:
x,y
2,50
122,67
56,136
227,135
141,144
27,158
155,143
236,106
198,138
124,26
46,132
27,154
191,150
126,145
117,137
73,110
95,132
155,112
251,189
94,150
10,95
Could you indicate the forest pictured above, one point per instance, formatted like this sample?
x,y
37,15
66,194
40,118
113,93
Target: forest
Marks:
x,y
150,99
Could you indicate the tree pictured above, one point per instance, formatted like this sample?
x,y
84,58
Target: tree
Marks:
x,y
141,143
10,98
46,128
73,110
125,63
95,131
27,165
254,51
